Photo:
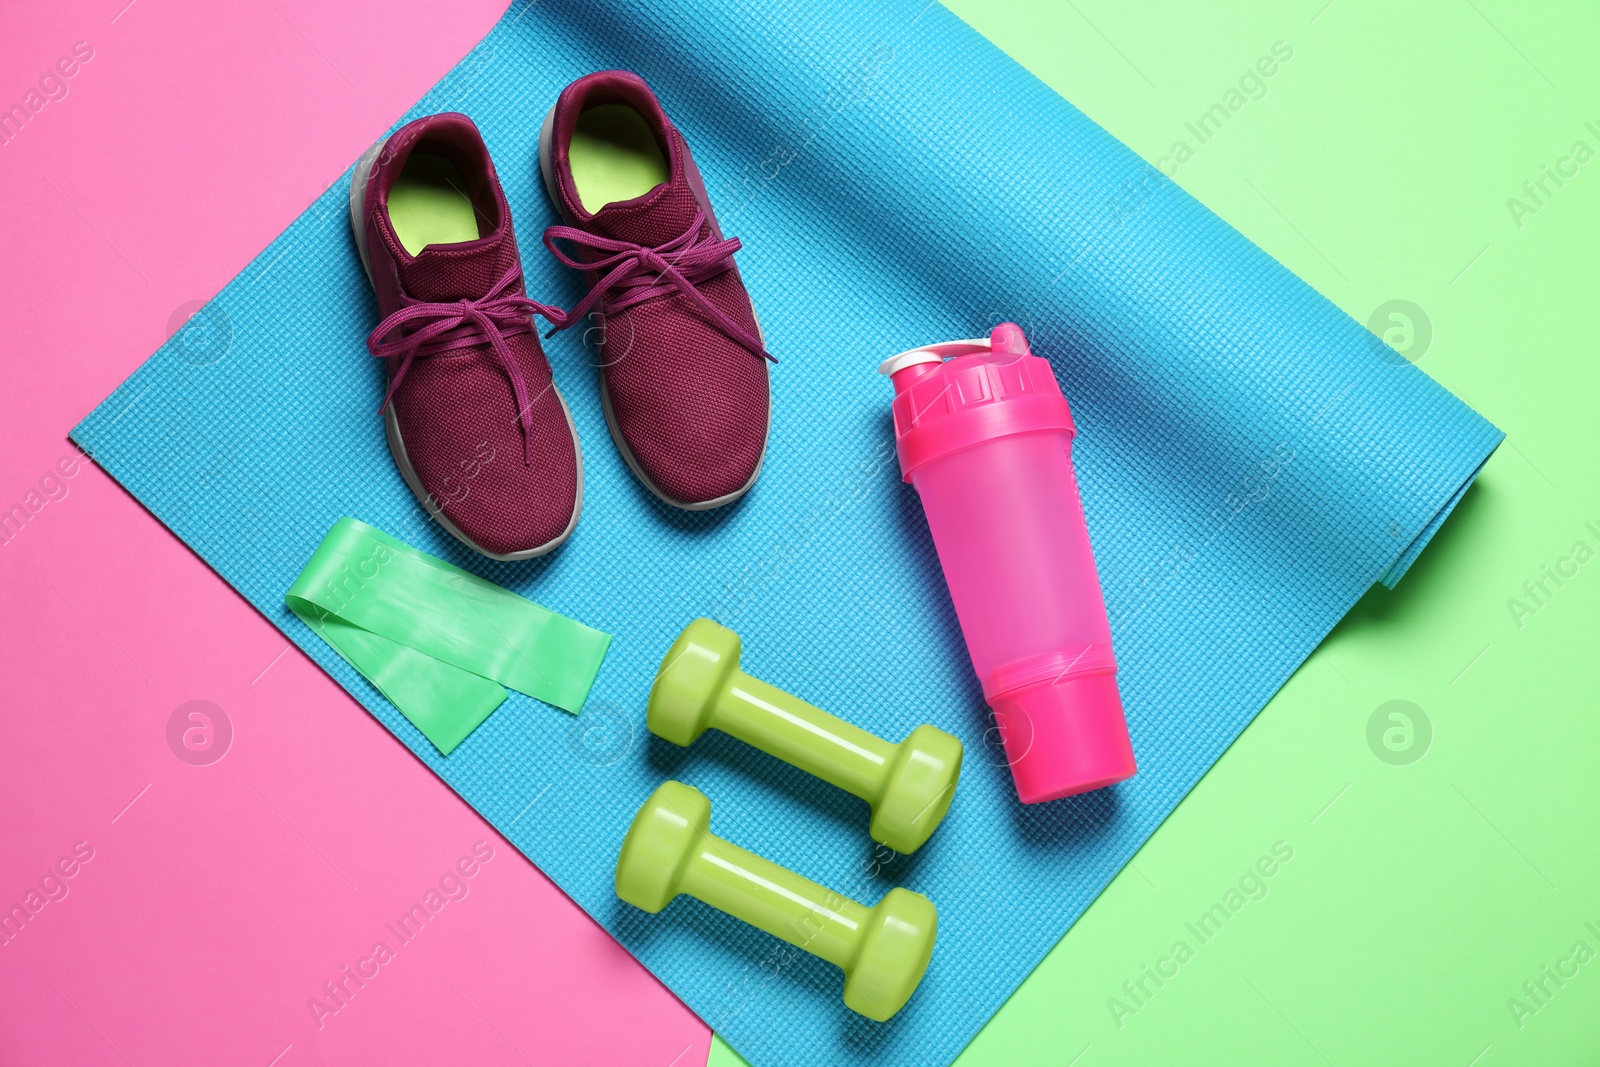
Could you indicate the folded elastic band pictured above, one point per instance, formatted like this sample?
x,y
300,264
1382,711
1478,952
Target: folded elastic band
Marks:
x,y
442,644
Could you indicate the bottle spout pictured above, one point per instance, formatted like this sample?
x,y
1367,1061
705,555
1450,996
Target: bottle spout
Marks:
x,y
907,367
1008,339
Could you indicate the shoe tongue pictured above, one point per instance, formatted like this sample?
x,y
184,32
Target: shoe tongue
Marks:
x,y
657,218
447,273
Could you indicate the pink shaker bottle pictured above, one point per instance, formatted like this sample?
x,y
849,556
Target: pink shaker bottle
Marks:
x,y
986,437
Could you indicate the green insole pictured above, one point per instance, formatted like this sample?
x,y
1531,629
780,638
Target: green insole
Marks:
x,y
428,204
614,156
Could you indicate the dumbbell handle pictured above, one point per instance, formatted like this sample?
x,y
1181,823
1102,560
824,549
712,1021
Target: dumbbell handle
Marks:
x,y
774,898
803,734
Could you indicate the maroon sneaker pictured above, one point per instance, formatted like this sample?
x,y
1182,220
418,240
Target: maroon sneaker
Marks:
x,y
475,424
683,361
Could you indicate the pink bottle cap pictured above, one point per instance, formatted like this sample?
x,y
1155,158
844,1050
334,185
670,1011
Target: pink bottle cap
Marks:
x,y
1065,738
959,394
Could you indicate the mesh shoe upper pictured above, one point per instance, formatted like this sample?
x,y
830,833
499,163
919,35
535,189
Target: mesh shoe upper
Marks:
x,y
503,473
688,397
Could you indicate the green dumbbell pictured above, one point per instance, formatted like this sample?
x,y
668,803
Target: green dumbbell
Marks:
x,y
883,950
700,686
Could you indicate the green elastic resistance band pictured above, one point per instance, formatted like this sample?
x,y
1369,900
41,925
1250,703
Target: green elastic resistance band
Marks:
x,y
442,644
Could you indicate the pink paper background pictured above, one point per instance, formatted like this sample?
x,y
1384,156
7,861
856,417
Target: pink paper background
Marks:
x,y
220,898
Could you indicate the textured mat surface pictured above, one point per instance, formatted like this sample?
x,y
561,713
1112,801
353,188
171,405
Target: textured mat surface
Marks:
x,y
1252,460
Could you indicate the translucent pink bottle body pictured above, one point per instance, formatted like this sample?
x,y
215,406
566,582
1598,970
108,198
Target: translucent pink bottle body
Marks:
x,y
986,439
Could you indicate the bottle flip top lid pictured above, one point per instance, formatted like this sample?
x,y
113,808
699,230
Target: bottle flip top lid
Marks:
x,y
958,394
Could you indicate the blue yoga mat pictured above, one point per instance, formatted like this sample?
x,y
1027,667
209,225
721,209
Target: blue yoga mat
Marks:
x,y
1251,463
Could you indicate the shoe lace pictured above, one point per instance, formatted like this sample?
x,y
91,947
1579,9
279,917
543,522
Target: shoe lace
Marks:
x,y
632,273
439,326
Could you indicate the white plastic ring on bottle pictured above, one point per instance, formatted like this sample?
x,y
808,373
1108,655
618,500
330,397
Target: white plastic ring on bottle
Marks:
x,y
933,354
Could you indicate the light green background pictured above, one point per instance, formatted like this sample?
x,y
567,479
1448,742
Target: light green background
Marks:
x,y
1421,897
